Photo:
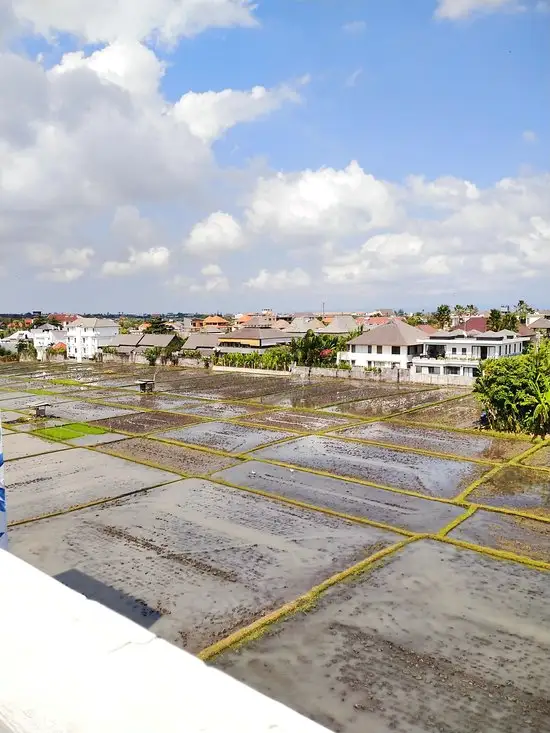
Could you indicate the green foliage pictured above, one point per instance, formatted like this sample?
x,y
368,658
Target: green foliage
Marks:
x,y
157,324
39,321
26,349
515,391
442,316
494,320
416,319
152,354
523,309
109,350
277,358
320,350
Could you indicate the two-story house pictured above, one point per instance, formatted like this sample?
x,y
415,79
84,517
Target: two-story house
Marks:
x,y
45,336
391,346
459,352
86,335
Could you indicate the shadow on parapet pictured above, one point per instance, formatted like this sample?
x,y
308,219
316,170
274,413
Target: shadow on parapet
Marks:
x,y
131,608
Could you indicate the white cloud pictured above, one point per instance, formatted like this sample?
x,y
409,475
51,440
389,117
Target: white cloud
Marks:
x,y
220,232
351,81
61,275
324,202
458,9
211,270
280,280
210,114
355,27
105,21
128,64
151,259
529,136
217,284
41,255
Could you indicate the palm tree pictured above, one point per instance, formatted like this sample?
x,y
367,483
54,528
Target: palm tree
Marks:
x,y
494,322
471,310
442,316
461,312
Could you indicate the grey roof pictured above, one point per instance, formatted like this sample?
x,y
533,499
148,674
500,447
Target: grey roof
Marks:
x,y
94,323
157,339
259,322
202,341
302,324
540,323
255,333
281,324
125,349
340,324
127,339
395,333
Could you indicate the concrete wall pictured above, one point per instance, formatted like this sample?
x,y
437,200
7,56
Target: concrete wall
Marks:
x,y
386,375
442,379
246,370
70,665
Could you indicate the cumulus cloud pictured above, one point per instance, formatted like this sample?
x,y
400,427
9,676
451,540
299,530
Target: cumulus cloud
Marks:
x,y
529,136
211,270
105,21
151,259
280,280
334,202
219,232
61,275
459,9
209,114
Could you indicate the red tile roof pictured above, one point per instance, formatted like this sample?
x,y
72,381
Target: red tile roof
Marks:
x,y
427,328
475,323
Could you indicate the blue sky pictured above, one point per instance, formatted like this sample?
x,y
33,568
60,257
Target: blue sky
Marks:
x,y
459,102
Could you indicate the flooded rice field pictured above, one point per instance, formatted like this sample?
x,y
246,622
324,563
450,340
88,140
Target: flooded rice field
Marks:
x,y
398,469
144,422
205,558
394,403
227,437
171,457
57,481
404,512
523,489
390,651
434,638
438,441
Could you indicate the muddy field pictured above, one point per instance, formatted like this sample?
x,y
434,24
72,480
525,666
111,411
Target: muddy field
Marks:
x,y
79,411
383,406
159,401
333,391
438,441
234,386
221,410
523,489
462,413
206,558
528,537
225,436
539,458
171,457
389,651
398,469
144,422
21,445
399,510
58,481
303,421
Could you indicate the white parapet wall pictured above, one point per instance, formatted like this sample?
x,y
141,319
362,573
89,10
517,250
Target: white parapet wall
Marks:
x,y
69,664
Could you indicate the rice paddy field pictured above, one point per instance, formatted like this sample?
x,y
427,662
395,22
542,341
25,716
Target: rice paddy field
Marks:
x,y
356,550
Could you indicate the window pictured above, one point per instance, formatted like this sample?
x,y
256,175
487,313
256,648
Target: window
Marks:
x,y
369,349
353,362
463,349
419,370
353,348
434,370
453,350
378,349
396,349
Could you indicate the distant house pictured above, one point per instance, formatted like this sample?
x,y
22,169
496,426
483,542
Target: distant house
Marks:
x,y
254,338
542,326
476,323
258,322
339,326
281,324
392,346
43,337
10,342
426,328
300,325
205,343
459,352
136,343
85,336
216,322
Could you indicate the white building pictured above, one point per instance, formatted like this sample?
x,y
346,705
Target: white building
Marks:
x,y
459,352
10,342
391,346
45,336
86,335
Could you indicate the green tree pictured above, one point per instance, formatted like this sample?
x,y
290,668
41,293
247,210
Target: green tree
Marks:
x,y
522,310
471,310
461,311
509,321
494,321
416,319
515,391
40,320
157,324
152,353
442,316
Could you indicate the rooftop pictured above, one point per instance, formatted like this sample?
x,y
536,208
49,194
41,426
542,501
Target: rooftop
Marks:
x,y
395,333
